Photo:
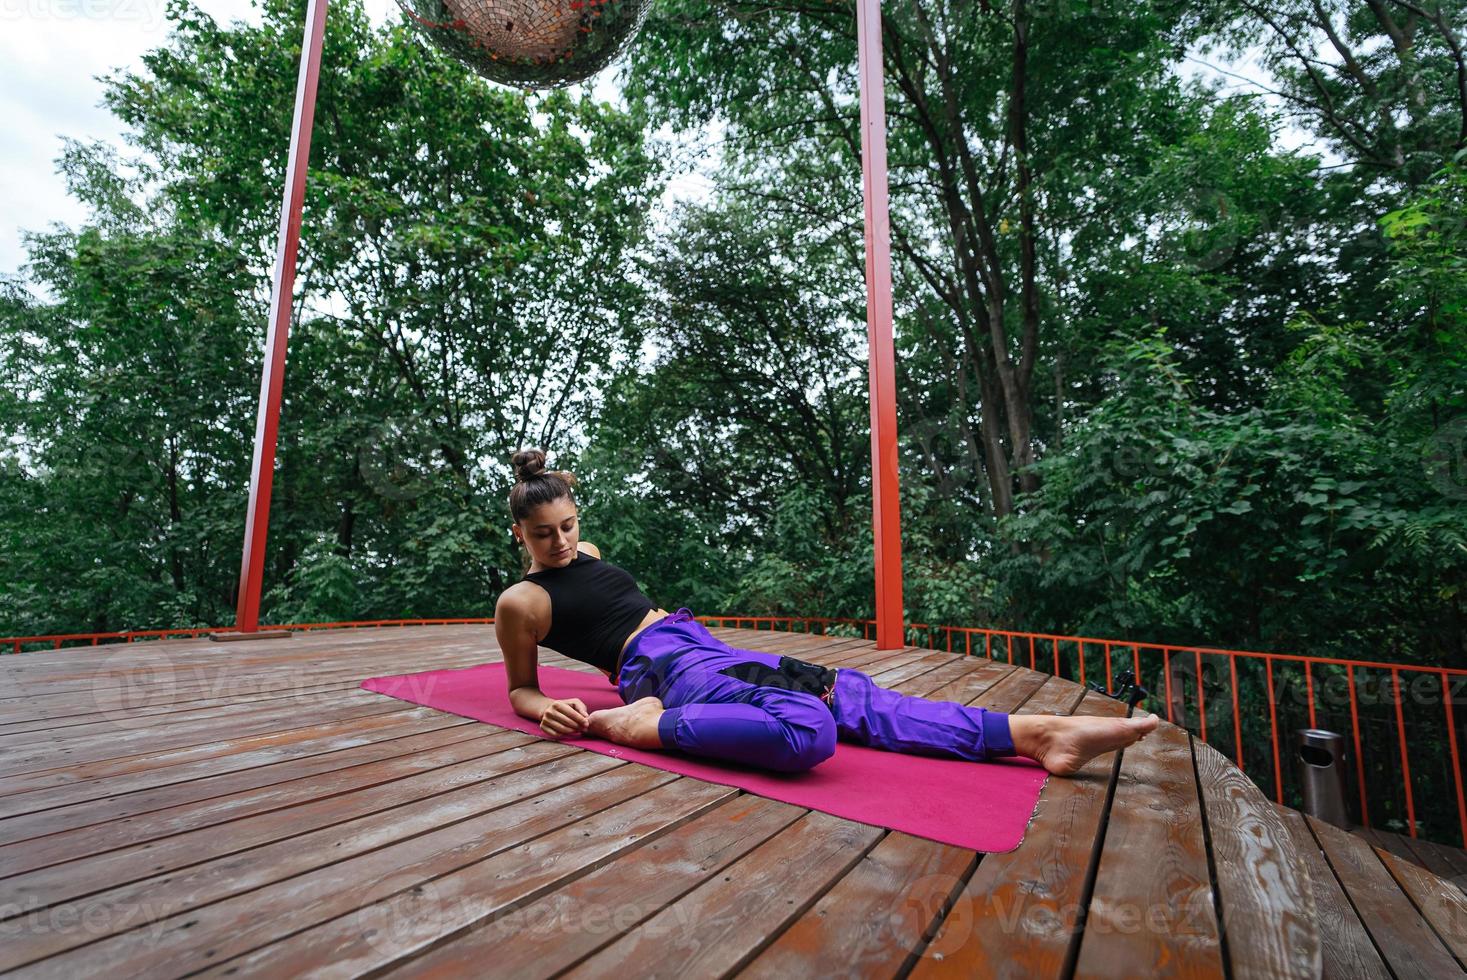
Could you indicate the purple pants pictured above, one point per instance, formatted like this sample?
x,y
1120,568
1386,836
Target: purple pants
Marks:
x,y
774,712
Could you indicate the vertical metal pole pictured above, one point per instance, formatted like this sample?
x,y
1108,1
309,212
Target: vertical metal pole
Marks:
x,y
886,500
262,473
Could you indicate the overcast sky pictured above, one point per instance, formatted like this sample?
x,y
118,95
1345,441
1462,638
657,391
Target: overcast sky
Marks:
x,y
51,54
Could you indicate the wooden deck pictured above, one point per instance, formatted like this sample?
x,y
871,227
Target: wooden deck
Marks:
x,y
1442,860
1380,915
186,807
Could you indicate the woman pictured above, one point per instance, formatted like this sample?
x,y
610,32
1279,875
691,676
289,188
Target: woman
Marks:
x,y
685,689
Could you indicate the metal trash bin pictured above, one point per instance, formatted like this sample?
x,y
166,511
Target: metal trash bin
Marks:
x,y
1321,758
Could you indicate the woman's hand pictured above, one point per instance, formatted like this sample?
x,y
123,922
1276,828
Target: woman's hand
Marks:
x,y
567,716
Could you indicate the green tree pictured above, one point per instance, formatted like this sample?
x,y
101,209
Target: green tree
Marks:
x,y
463,288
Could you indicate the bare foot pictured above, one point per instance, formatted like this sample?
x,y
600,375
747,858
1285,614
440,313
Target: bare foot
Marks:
x,y
633,725
1062,744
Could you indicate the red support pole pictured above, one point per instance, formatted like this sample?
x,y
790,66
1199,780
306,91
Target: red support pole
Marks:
x,y
262,472
886,500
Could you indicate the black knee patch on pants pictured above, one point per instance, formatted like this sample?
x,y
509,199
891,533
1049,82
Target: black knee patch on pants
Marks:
x,y
791,675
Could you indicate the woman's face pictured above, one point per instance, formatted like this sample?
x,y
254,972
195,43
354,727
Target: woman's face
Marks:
x,y
551,533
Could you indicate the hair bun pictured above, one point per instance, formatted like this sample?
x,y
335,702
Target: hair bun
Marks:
x,y
535,485
528,464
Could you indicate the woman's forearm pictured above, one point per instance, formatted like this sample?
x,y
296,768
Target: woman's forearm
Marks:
x,y
529,702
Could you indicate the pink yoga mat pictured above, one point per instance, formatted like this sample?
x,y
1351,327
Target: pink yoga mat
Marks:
x,y
985,806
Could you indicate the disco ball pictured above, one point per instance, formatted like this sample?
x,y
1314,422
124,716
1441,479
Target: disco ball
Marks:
x,y
530,43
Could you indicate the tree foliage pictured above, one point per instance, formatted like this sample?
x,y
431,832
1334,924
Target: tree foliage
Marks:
x,y
1160,376
461,292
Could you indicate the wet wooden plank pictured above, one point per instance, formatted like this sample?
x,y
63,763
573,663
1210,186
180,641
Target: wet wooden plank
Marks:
x,y
764,641
794,644
254,921
36,682
74,879
876,918
968,667
1443,906
1152,911
1346,949
1016,915
1005,694
1408,944
967,686
867,659
124,726
1451,860
143,707
723,924
505,883
1441,860
540,938
826,650
198,870
1395,843
50,728
919,667
1425,855
1056,696
1267,905
42,758
448,747
140,769
323,740
197,664
141,695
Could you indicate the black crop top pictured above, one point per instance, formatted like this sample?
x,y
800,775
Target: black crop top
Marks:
x,y
594,606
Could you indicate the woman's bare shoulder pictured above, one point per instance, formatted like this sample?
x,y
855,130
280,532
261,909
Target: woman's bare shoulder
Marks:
x,y
589,549
523,601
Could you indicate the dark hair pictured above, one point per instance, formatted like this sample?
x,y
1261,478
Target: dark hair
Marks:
x,y
535,485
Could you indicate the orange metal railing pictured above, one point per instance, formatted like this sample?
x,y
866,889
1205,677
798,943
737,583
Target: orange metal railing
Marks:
x,y
1079,656
55,641
1180,675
